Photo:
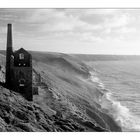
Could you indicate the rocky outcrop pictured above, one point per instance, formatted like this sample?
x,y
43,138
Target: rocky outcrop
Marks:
x,y
17,114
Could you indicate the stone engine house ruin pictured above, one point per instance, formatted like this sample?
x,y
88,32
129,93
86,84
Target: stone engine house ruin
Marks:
x,y
18,69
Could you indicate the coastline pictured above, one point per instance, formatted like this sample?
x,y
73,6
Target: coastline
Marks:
x,y
119,113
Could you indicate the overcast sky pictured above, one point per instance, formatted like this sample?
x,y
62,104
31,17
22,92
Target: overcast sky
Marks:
x,y
93,31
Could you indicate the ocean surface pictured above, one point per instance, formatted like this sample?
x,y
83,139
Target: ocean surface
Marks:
x,y
120,83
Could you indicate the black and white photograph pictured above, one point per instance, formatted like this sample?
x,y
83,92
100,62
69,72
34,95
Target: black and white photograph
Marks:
x,y
69,69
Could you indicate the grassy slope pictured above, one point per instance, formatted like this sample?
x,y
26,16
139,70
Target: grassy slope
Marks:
x,y
75,97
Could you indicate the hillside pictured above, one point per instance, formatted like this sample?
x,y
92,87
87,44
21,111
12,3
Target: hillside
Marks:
x,y
67,100
103,57
17,114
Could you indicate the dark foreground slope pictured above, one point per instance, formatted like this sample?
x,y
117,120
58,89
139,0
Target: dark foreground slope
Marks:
x,y
17,114
67,100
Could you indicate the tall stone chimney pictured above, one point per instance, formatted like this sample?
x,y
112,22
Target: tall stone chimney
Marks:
x,y
9,52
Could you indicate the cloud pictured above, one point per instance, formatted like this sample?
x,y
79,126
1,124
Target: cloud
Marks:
x,y
57,20
36,22
117,21
100,22
71,25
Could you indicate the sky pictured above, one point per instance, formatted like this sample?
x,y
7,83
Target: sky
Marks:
x,y
86,31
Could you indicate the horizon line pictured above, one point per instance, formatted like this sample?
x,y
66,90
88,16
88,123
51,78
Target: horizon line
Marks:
x,y
79,53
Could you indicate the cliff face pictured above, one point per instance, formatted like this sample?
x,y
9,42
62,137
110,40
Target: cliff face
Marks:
x,y
67,101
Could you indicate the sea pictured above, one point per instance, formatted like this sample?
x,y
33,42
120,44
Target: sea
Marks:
x,y
119,81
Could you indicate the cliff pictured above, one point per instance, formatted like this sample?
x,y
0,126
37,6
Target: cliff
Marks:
x,y
67,101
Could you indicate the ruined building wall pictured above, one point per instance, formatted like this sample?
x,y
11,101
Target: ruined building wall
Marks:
x,y
22,76
18,71
21,71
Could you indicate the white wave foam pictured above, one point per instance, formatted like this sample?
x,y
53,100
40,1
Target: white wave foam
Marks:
x,y
120,113
96,80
